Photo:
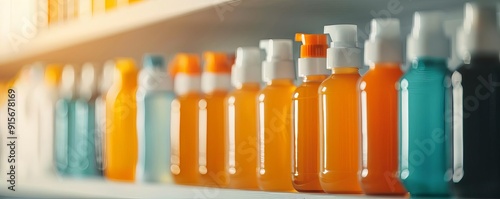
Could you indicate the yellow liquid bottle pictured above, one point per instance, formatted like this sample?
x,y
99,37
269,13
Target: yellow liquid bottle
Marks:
x,y
305,139
215,84
241,119
339,129
274,117
121,132
185,69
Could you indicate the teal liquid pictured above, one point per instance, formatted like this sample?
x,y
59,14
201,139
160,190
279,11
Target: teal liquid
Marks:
x,y
64,125
422,139
81,141
153,121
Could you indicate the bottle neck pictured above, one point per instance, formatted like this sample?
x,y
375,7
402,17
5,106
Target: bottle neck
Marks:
x,y
280,82
249,86
483,58
314,78
385,65
428,62
345,70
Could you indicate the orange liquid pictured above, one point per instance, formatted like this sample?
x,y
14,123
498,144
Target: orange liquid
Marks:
x,y
305,140
274,138
242,137
184,139
379,103
121,133
339,135
212,165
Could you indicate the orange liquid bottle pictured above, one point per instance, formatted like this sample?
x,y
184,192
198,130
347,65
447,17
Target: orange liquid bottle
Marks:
x,y
274,116
121,131
215,84
185,69
339,135
305,142
241,119
379,110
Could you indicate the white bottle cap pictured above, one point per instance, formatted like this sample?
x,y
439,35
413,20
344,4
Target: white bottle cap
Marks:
x,y
312,59
88,81
246,68
384,44
279,59
480,29
427,38
343,51
68,82
153,75
106,77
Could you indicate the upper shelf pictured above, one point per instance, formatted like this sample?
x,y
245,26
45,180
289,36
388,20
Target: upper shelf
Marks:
x,y
170,26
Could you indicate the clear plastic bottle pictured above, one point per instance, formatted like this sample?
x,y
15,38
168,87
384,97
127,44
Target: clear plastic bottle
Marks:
x,y
105,82
379,110
215,84
421,117
305,109
241,119
121,131
338,99
274,117
185,68
154,98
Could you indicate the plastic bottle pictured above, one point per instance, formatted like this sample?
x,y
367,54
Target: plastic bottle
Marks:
x,y
185,69
241,119
339,135
121,131
274,115
105,82
65,121
81,141
421,117
50,95
379,110
215,84
474,106
305,109
154,98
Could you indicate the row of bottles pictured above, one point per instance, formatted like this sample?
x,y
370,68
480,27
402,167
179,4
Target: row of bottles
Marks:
x,y
429,131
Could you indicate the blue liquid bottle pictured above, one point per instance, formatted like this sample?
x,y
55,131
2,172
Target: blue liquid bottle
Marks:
x,y
81,147
154,98
422,150
64,119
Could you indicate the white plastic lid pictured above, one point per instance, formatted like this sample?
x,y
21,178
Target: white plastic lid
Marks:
x,y
68,82
343,51
153,75
36,73
246,68
427,37
480,29
279,60
384,44
88,81
186,83
107,76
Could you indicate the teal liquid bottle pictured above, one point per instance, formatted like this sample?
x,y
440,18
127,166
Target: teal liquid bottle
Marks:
x,y
422,147
81,147
64,120
154,98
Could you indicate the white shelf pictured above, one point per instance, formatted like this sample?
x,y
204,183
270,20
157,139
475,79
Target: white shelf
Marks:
x,y
171,26
72,188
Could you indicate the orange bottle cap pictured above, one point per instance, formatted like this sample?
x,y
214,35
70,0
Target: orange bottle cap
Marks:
x,y
185,63
127,70
53,73
216,62
313,45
